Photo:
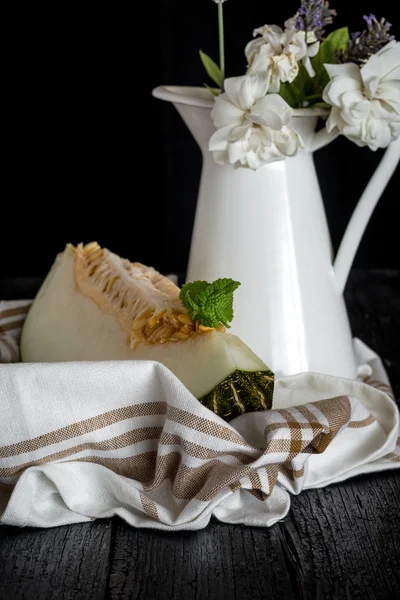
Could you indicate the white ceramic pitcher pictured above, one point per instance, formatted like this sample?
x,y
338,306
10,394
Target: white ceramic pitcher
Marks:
x,y
268,230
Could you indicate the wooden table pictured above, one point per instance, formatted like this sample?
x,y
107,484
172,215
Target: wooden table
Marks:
x,y
342,541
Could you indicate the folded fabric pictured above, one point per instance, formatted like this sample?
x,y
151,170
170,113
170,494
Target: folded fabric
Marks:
x,y
12,317
89,440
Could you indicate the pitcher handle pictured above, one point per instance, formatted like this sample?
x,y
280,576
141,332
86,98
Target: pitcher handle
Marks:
x,y
362,213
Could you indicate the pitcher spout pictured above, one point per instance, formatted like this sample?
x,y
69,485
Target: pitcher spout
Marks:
x,y
194,105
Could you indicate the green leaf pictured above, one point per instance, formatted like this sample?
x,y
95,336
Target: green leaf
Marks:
x,y
290,94
337,40
212,91
301,87
322,105
211,304
213,70
190,296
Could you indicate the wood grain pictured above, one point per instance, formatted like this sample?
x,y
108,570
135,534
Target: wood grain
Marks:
x,y
220,561
344,539
340,542
65,563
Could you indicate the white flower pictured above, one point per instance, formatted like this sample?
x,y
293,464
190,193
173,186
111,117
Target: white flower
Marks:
x,y
366,102
303,50
279,51
252,127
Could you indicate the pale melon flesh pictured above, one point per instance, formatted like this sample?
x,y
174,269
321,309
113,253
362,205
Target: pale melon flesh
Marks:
x,y
95,309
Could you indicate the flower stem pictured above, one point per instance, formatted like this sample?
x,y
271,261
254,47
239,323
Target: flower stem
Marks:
x,y
312,97
221,42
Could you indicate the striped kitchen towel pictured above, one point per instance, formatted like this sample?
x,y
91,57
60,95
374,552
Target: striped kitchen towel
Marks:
x,y
12,317
91,440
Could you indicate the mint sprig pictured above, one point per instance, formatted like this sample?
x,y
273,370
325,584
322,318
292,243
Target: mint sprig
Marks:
x,y
211,304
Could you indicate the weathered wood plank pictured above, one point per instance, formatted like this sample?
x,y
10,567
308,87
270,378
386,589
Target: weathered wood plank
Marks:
x,y
219,562
65,563
344,539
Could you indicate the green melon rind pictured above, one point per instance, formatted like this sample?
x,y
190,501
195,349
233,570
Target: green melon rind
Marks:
x,y
241,392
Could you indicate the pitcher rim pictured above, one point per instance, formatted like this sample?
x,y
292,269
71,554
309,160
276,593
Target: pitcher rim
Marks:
x,y
201,98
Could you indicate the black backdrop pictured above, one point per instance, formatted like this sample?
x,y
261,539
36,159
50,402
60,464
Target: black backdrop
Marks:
x,y
90,154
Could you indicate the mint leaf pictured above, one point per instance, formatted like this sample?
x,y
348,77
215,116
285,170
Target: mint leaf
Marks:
x,y
211,304
213,70
190,296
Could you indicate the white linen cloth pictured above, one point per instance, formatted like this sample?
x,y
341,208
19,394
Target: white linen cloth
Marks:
x,y
91,440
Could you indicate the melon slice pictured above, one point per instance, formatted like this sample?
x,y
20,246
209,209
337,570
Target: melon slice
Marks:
x,y
96,306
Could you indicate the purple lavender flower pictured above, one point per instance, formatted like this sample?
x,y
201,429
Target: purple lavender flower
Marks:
x,y
362,45
369,19
314,15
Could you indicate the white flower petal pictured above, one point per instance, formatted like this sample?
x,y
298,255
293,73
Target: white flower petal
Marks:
x,y
313,49
260,84
252,160
389,110
225,113
297,46
308,66
346,70
389,102
239,132
271,111
290,24
274,86
253,47
385,63
287,142
390,46
258,31
275,38
361,110
393,75
352,98
236,152
261,61
240,91
334,120
338,86
220,139
287,66
395,130
380,132
388,88
371,86
268,135
350,119
271,154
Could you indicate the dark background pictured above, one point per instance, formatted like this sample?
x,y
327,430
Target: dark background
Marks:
x,y
90,154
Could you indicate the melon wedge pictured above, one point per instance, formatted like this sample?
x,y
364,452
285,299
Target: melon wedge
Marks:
x,y
96,306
